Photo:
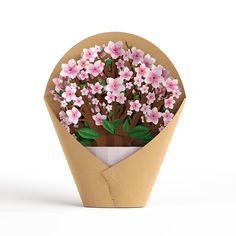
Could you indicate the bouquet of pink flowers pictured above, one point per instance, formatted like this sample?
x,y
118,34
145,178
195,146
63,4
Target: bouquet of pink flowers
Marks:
x,y
115,99
115,95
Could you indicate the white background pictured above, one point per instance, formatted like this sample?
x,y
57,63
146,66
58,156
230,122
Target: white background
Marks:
x,y
195,193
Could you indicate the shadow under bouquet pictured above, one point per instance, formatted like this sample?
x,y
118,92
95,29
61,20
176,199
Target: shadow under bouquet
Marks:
x,y
114,97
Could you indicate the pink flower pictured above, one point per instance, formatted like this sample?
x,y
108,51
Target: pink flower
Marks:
x,y
154,77
110,97
95,101
109,107
142,70
121,98
73,85
169,102
126,74
176,93
114,49
83,75
99,118
171,84
79,101
96,88
63,103
71,69
73,115
84,91
167,116
153,116
150,98
56,97
136,55
64,120
69,94
62,115
138,81
58,83
135,105
120,64
115,85
89,54
129,112
96,68
128,85
83,64
165,73
161,91
149,61
97,48
144,89
126,55
97,109
145,109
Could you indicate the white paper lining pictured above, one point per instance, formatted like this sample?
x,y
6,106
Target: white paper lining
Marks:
x,y
112,155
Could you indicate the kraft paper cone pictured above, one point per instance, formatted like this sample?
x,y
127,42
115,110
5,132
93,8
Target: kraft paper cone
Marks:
x,y
129,182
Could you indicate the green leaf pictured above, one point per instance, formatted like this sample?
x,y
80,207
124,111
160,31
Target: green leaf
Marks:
x,y
116,123
138,132
59,93
108,61
162,109
83,141
107,125
102,82
82,85
126,125
86,142
110,113
88,133
136,96
141,133
146,138
86,124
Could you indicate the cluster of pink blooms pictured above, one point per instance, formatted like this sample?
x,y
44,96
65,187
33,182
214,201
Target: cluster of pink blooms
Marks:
x,y
140,86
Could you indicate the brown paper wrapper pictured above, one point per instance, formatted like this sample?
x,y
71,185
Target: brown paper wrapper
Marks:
x,y
129,182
